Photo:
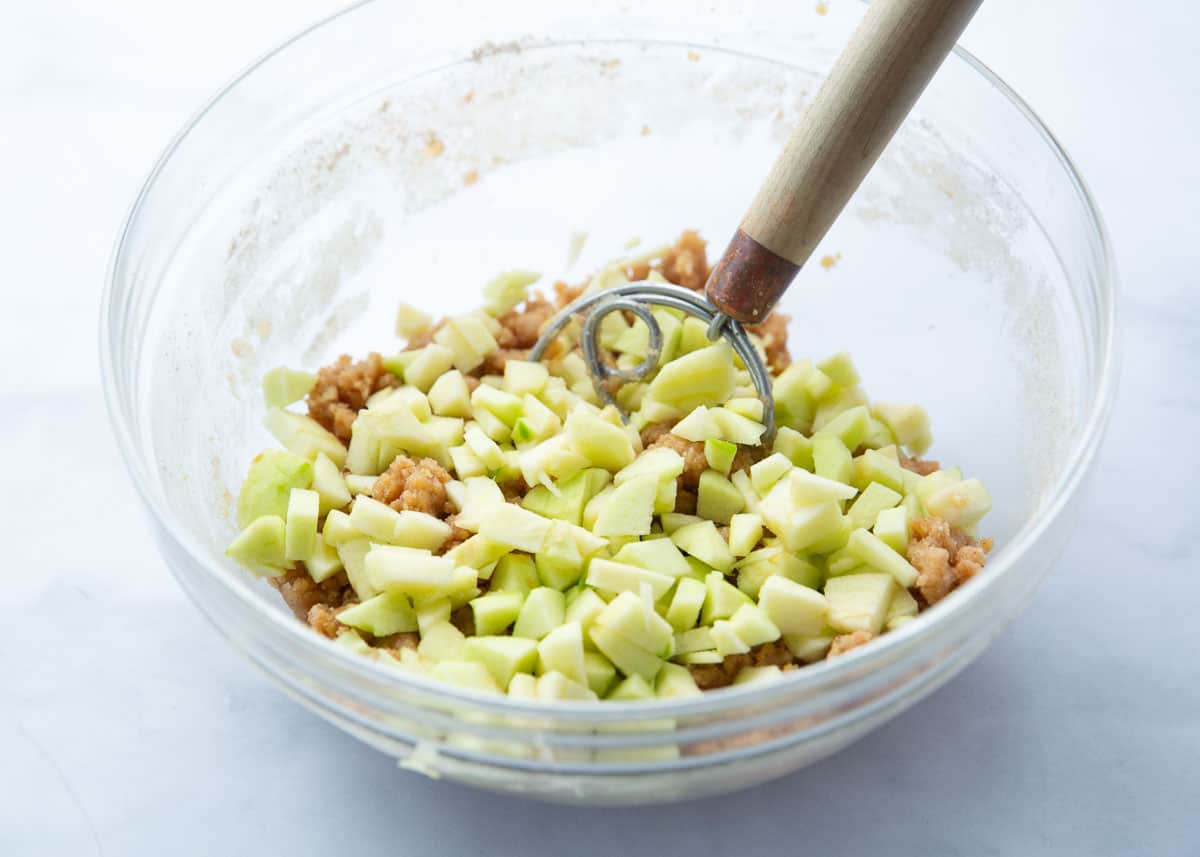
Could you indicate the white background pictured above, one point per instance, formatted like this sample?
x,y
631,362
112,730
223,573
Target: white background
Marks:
x,y
127,727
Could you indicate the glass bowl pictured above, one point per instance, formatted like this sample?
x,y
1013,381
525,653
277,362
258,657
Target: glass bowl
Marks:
x,y
407,151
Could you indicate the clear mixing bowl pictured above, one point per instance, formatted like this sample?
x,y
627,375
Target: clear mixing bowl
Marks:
x,y
406,151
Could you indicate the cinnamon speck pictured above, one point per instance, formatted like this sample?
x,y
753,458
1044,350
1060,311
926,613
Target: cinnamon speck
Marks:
x,y
434,146
241,348
827,262
470,177
693,56
469,97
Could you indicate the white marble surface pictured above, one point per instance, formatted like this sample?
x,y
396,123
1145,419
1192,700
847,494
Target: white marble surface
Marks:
x,y
128,727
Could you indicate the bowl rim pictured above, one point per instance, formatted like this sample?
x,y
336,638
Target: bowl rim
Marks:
x,y
826,672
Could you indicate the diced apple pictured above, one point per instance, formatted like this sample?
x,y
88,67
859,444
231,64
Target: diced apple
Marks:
x,y
831,458
617,577
704,377
562,650
358,484
304,508
431,363
745,531
584,607
328,483
282,386
351,641
430,613
840,369
675,682
673,521
324,562
353,554
269,483
850,427
869,548
794,609
629,658
686,603
902,606
708,656
411,322
800,526
698,426
629,510
736,428
478,552
874,499
518,528
556,686
661,463
449,396
627,616
414,572
961,504
741,481
559,563
599,441
632,689
658,555
503,657
756,675
766,473
753,626
859,602
468,675
722,599
694,640
373,519
726,639
836,401
796,447
441,641
702,541
872,466
752,575
809,488
891,526
260,546
515,573
717,499
543,611
503,292
600,673
909,424
808,648
496,610
719,454
794,405
385,614
818,384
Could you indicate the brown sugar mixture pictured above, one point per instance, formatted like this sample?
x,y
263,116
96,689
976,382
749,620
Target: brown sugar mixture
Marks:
x,y
342,391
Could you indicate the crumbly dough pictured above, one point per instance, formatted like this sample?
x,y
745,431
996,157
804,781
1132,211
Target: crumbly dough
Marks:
x,y
920,466
843,643
342,390
301,593
944,557
710,676
417,486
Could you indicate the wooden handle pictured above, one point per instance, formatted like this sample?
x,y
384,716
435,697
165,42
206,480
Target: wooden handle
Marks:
x,y
890,59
